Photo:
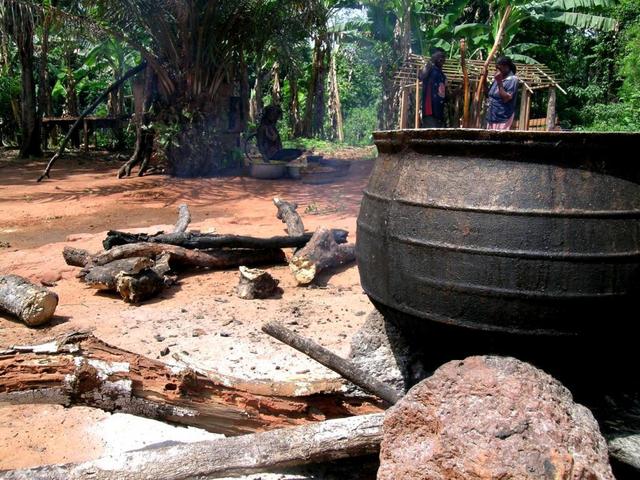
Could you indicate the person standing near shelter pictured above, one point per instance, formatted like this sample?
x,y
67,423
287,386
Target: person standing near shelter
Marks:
x,y
434,83
502,96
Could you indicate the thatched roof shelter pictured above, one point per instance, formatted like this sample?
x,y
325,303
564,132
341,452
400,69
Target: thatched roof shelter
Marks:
x,y
533,77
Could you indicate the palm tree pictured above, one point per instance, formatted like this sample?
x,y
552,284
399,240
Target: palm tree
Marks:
x,y
18,20
195,50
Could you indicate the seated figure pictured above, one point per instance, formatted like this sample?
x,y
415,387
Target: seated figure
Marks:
x,y
269,142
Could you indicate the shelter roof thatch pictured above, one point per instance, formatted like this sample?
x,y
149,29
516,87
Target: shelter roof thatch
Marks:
x,y
533,76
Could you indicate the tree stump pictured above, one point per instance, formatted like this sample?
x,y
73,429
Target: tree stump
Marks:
x,y
255,283
32,304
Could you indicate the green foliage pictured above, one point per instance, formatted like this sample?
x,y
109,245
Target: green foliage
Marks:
x,y
622,116
359,123
9,90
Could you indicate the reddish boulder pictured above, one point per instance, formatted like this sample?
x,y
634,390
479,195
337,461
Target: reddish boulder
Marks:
x,y
491,418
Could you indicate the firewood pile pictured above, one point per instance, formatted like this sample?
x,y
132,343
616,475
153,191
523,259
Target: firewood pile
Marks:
x,y
139,266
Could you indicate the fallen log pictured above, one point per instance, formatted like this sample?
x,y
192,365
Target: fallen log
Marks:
x,y
345,368
32,304
248,454
321,253
193,258
184,218
201,241
81,370
287,213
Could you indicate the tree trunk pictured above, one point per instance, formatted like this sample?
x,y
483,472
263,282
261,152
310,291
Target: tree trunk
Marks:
x,y
335,107
401,47
71,107
315,106
230,457
141,89
30,123
276,87
30,303
294,107
44,98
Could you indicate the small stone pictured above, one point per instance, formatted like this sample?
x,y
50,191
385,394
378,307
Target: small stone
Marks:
x,y
183,310
198,332
225,334
165,351
159,338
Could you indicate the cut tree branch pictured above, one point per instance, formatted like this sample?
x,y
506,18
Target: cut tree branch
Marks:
x,y
287,213
343,367
184,218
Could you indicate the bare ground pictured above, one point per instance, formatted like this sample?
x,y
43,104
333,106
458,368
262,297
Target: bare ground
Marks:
x,y
200,319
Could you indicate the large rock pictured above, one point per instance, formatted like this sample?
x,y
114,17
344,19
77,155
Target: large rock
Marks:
x,y
491,418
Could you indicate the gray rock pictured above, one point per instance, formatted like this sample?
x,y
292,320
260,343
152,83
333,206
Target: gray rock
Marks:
x,y
381,350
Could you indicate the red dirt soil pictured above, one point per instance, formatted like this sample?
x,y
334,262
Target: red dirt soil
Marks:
x,y
200,319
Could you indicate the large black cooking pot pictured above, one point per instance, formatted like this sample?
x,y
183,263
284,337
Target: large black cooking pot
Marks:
x,y
525,233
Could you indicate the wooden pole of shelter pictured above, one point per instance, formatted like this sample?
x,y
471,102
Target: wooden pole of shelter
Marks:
x,y
465,84
85,128
551,109
485,69
404,109
525,109
417,120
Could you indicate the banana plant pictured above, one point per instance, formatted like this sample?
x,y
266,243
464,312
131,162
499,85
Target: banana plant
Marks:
x,y
481,36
